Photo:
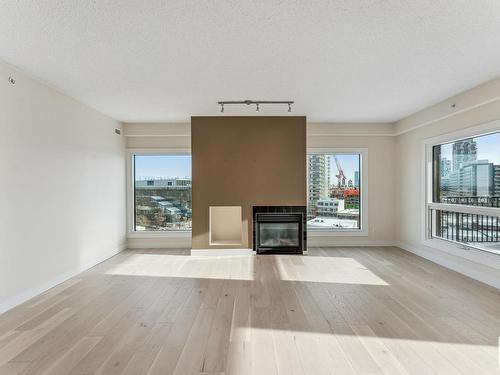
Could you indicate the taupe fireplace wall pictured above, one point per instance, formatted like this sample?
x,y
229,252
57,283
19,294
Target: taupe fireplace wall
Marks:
x,y
243,162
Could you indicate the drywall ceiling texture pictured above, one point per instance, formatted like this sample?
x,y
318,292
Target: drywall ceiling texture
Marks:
x,y
348,61
245,162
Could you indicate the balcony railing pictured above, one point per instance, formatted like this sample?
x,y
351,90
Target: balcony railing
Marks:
x,y
473,226
473,201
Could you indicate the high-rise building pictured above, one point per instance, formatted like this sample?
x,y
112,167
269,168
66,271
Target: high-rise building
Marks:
x,y
356,179
496,180
319,179
445,167
472,180
464,151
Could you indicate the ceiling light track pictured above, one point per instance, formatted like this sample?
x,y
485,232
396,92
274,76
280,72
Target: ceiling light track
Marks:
x,y
257,103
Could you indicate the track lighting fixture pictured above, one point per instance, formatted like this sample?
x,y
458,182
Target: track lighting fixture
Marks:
x,y
257,103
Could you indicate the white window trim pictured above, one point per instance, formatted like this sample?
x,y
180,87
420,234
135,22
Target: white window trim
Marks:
x,y
130,153
455,249
363,180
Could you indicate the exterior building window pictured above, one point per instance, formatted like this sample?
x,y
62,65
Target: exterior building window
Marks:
x,y
162,192
468,171
334,191
465,202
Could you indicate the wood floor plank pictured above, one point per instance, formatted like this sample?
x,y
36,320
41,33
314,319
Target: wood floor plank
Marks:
x,y
142,359
67,361
168,356
101,355
28,338
191,359
336,311
51,347
215,360
13,368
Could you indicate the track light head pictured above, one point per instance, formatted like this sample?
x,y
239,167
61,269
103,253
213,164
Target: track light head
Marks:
x,y
257,103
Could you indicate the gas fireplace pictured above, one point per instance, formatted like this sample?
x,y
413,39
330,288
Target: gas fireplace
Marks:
x,y
279,229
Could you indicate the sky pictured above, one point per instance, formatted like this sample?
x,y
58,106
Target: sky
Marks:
x,y
349,164
487,148
161,166
156,166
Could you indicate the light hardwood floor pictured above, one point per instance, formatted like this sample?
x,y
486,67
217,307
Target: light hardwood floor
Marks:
x,y
336,311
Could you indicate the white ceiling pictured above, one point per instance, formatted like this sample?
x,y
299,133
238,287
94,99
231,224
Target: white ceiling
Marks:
x,y
350,60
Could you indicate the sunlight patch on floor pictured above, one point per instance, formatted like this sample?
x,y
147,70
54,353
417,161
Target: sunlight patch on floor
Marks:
x,y
363,350
340,270
203,267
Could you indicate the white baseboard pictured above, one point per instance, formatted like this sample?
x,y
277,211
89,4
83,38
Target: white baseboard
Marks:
x,y
159,243
479,272
184,242
39,289
338,242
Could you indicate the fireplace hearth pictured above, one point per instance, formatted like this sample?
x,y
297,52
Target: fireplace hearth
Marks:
x,y
279,229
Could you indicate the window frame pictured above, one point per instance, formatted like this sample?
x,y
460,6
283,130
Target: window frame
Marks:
x,y
131,153
363,181
454,248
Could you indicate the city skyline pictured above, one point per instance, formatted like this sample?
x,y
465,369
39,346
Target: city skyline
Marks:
x,y
179,166
349,163
162,166
487,148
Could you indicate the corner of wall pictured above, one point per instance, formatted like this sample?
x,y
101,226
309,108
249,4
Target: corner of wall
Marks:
x,y
478,105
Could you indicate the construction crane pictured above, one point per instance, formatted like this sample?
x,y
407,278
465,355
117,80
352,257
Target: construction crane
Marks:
x,y
341,176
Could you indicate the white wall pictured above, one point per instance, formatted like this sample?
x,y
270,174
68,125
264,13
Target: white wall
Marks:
x,y
479,106
377,138
62,201
157,136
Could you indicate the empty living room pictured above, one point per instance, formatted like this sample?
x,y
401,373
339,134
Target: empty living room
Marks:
x,y
295,187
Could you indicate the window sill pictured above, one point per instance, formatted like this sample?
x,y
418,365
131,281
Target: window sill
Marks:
x,y
336,232
161,234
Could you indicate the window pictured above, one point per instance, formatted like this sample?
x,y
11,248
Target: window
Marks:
x,y
162,192
465,199
334,191
467,171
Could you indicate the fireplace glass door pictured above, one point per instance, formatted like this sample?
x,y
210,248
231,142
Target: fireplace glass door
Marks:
x,y
279,235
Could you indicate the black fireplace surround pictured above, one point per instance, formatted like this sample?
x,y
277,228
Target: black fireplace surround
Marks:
x,y
279,229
